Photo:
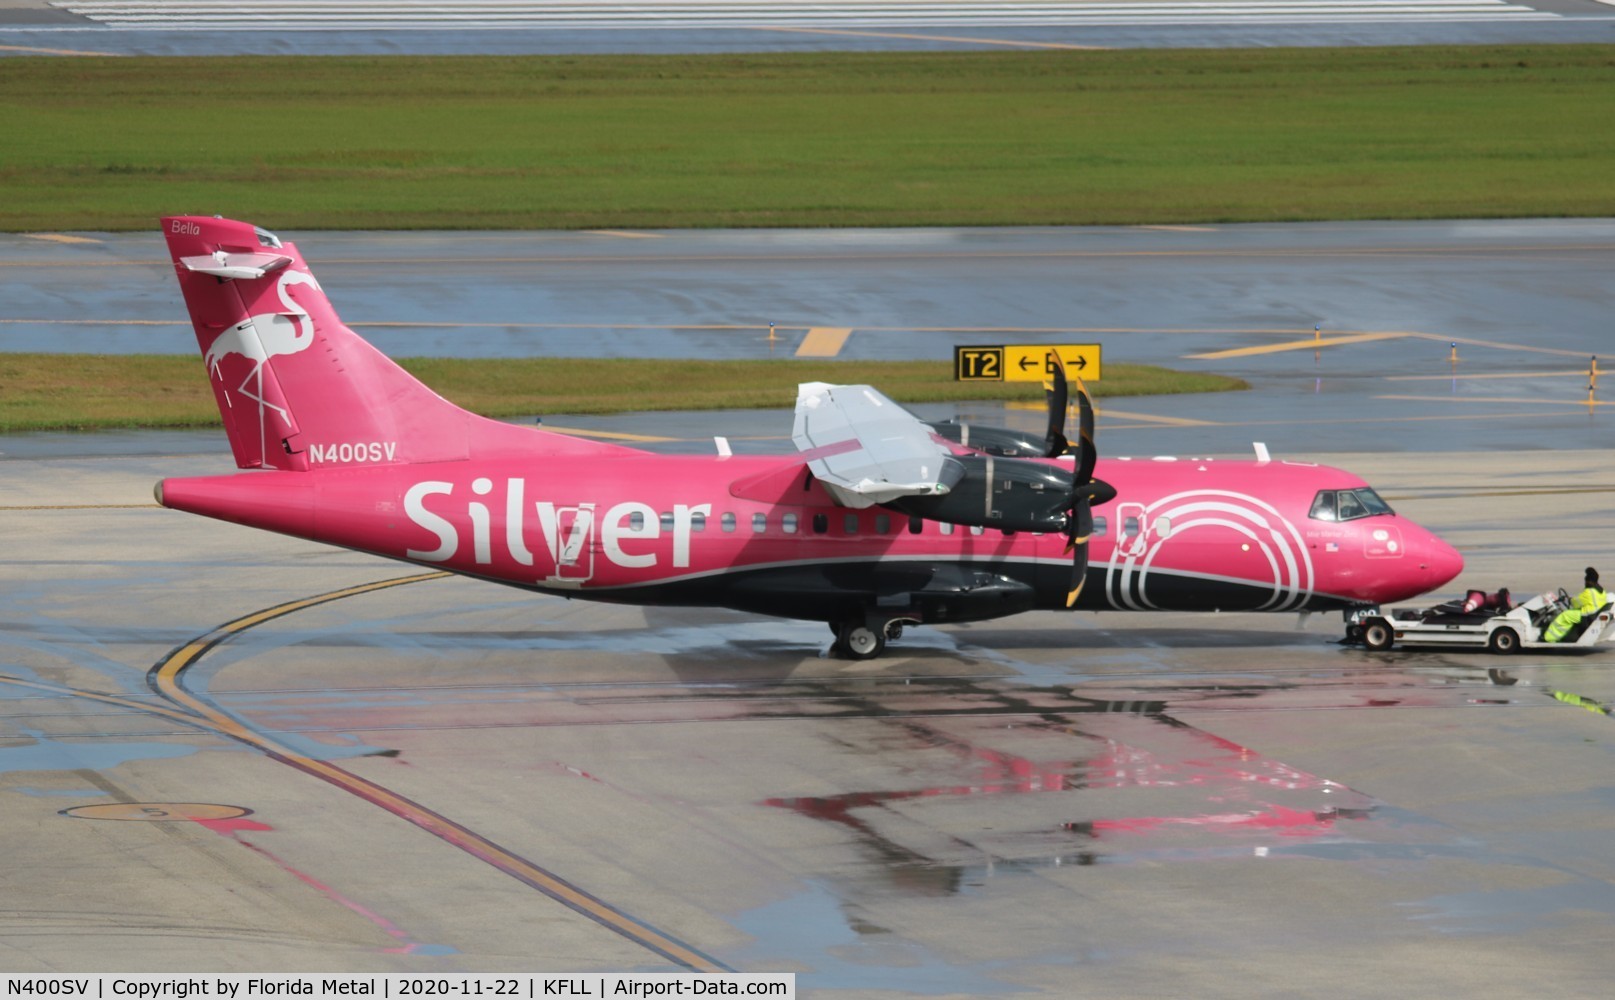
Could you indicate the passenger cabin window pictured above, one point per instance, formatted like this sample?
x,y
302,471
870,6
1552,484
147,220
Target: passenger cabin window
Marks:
x,y
947,527
636,520
727,521
916,525
883,524
976,529
1347,505
821,524
1100,526
789,524
759,523
850,524
667,522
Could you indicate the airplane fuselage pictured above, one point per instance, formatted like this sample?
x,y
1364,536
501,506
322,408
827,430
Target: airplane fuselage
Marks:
x,y
878,521
760,534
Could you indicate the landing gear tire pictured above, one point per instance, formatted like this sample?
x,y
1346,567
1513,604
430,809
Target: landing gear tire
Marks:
x,y
1378,636
857,641
1504,641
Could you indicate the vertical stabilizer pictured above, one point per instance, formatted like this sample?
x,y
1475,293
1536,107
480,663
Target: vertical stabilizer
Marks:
x,y
297,389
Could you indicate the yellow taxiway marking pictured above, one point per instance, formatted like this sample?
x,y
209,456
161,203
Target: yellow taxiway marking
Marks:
x,y
1489,375
84,506
1501,399
1109,413
823,342
60,238
1295,345
1498,345
166,679
1011,42
173,715
624,234
1336,422
609,435
53,52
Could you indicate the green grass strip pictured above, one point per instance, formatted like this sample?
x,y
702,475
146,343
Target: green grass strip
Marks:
x,y
91,391
825,139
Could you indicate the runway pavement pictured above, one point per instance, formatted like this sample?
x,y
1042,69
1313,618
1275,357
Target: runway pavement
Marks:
x,y
417,777
469,27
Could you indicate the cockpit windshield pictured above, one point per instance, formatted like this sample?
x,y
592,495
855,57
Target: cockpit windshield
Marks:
x,y
1347,505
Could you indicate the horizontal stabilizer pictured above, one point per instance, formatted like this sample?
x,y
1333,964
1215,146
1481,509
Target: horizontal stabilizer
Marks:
x,y
236,265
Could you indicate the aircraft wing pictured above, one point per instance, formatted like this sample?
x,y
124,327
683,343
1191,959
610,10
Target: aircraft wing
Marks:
x,y
866,449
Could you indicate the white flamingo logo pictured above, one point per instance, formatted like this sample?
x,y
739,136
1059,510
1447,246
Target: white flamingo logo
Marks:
x,y
264,336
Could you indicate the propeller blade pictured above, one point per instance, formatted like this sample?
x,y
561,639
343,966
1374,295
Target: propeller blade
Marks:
x,y
1079,528
1085,489
1057,394
1087,452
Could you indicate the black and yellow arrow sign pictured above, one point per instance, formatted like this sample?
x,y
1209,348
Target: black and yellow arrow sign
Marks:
x,y
1023,362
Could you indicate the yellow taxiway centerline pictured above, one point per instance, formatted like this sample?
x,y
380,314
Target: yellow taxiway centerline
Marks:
x,y
608,435
1296,345
166,679
1499,345
1500,399
59,238
83,506
34,50
1151,418
1489,375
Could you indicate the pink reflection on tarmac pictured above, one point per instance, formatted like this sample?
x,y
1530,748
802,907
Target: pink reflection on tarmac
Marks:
x,y
235,827
1241,790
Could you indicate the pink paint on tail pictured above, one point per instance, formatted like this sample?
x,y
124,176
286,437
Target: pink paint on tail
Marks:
x,y
297,389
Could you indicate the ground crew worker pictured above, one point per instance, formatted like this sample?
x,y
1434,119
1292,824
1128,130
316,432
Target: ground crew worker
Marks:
x,y
1591,598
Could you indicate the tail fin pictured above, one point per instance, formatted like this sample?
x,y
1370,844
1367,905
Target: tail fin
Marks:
x,y
298,389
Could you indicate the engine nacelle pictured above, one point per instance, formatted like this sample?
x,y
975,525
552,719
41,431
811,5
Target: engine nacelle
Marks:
x,y
997,441
1005,493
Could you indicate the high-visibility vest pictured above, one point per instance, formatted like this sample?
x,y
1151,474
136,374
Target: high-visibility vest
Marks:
x,y
1590,600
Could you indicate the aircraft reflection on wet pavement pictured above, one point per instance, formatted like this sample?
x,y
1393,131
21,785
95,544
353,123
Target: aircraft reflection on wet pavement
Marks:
x,y
879,521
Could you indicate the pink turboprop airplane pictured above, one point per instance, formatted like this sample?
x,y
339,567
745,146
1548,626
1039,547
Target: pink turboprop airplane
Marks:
x,y
879,521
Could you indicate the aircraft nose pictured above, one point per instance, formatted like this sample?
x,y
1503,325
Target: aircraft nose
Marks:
x,y
1440,561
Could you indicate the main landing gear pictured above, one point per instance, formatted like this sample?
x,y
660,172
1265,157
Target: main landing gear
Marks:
x,y
861,640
